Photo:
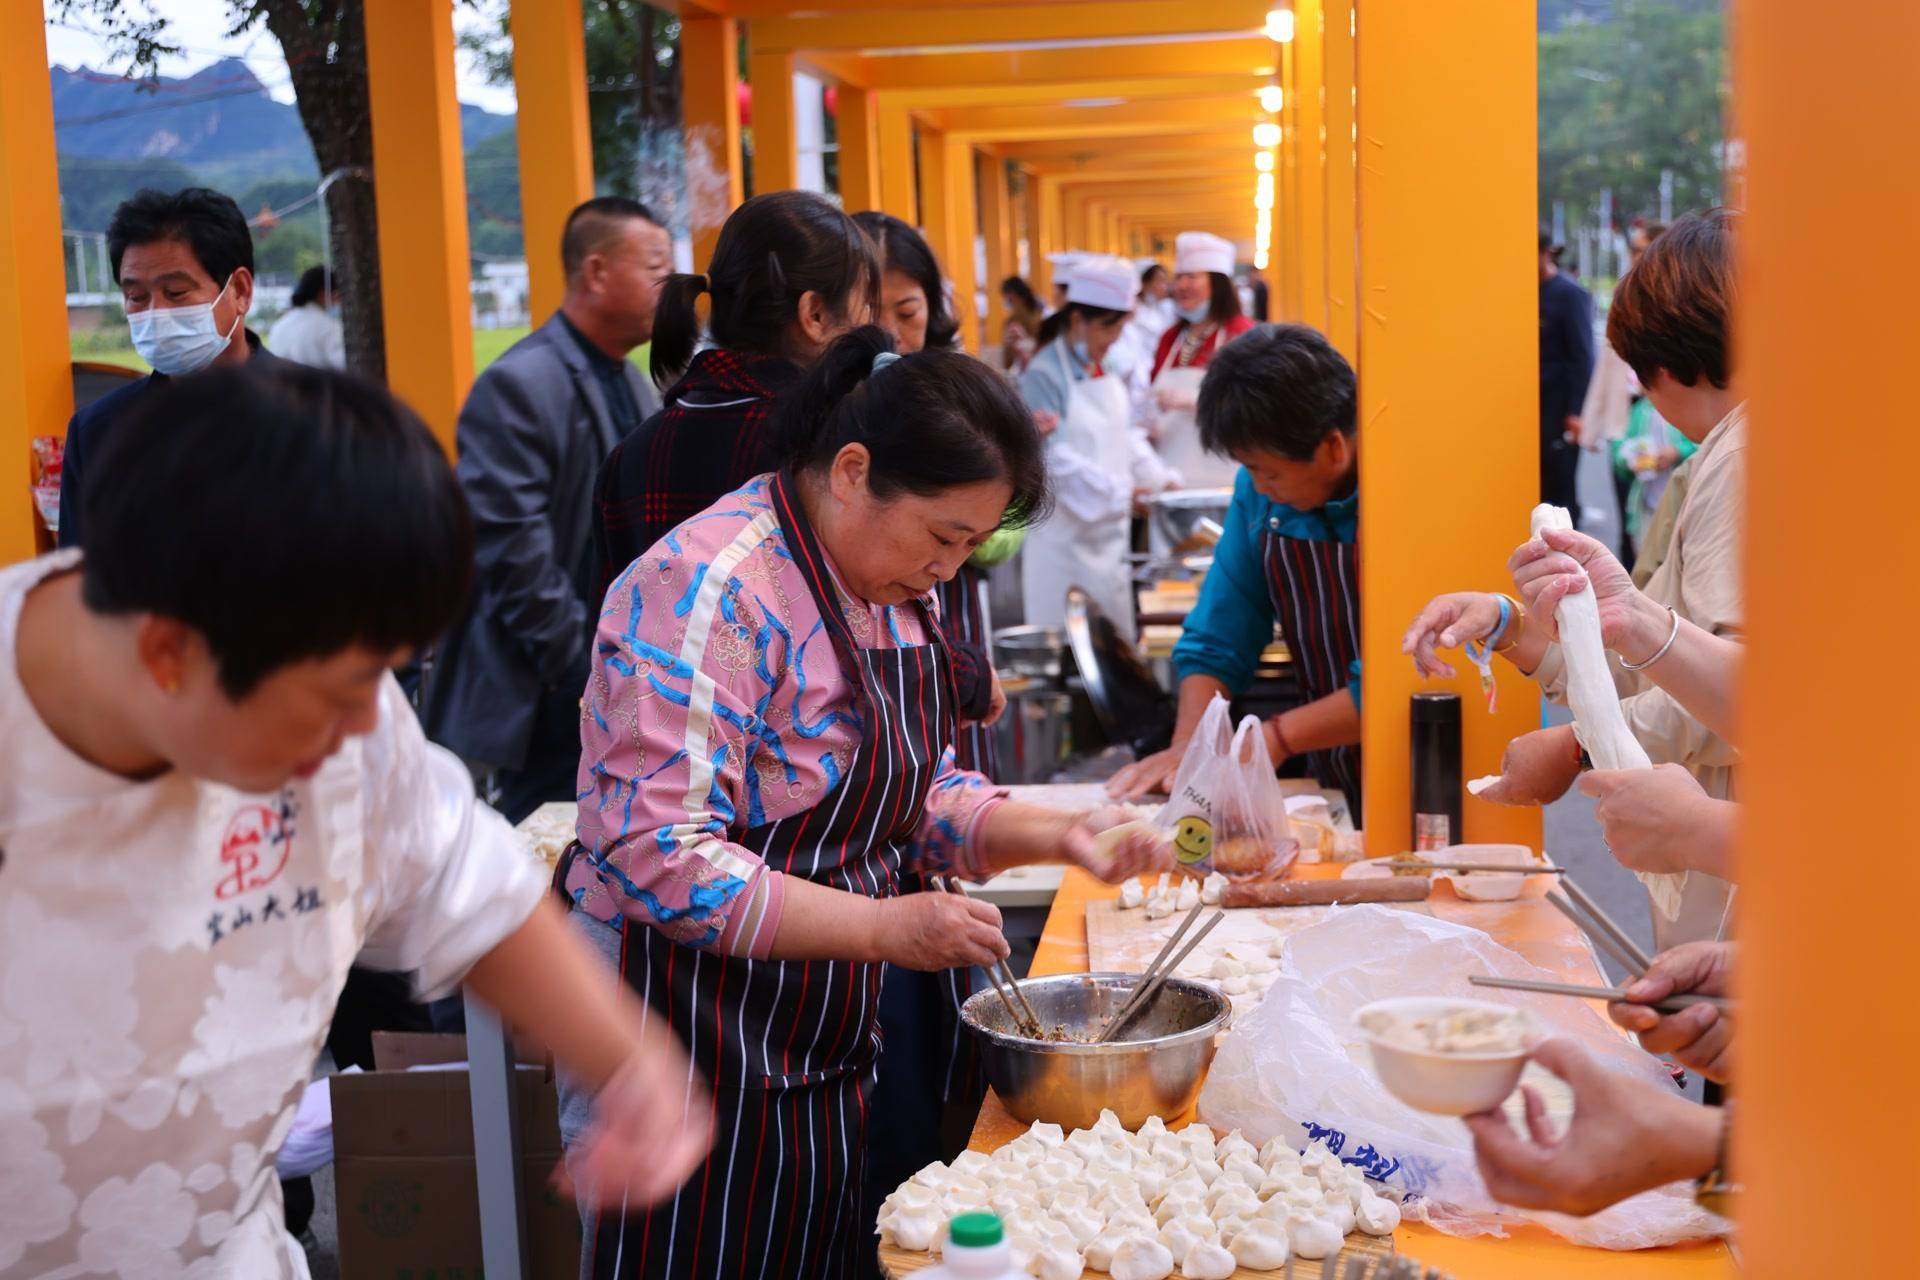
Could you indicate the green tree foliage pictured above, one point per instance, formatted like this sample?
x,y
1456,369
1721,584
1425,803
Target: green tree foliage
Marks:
x,y
1629,88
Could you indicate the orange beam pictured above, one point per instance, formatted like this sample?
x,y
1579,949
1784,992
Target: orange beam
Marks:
x,y
36,382
1131,89
1226,56
776,146
956,27
555,143
1126,119
1823,338
426,297
1449,159
710,110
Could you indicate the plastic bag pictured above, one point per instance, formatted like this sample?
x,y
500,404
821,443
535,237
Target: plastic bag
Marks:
x,y
1225,810
1295,1068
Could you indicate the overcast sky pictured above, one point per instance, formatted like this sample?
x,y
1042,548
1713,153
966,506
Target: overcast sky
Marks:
x,y
200,26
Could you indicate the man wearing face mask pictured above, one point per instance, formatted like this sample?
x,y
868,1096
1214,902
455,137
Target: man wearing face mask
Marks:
x,y
184,263
1280,402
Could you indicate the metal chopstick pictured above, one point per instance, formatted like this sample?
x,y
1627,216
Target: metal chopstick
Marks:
x,y
1030,1021
1525,869
1146,974
1671,1004
1599,937
1160,979
1605,921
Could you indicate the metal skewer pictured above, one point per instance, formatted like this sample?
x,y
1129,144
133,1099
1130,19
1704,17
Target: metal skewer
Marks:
x,y
1146,974
1523,869
1605,921
1599,936
1671,1004
1147,990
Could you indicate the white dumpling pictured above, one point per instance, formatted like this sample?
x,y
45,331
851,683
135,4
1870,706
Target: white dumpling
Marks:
x,y
1051,1135
1199,1222
1150,1181
1260,1247
1159,906
1178,1238
1108,1123
1171,1147
1082,1223
1207,1261
1261,965
1058,1168
1190,1184
1236,986
1314,1237
1152,1127
1188,898
1141,1258
1055,1263
934,1175
1339,1211
1165,883
1377,1215
1236,1200
1317,1155
1278,947
912,1229
970,1162
1206,1169
911,1195
1227,967
1132,895
1244,1169
1233,1144
1172,1206
1098,1255
1199,1140
1213,888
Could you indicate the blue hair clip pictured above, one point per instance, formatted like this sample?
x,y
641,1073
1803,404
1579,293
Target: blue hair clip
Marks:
x,y
882,360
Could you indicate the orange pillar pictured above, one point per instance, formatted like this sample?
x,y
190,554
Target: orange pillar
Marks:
x,y
710,112
856,128
1446,480
899,182
421,201
1032,225
36,382
946,205
1342,263
555,142
776,147
1308,113
997,230
1824,336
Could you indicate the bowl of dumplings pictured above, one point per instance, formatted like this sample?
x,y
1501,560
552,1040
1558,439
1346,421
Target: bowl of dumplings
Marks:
x,y
1153,1067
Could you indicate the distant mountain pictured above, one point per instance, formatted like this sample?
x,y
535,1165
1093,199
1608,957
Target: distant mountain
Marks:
x,y
219,122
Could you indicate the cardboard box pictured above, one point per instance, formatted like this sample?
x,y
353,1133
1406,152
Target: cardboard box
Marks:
x,y
404,1173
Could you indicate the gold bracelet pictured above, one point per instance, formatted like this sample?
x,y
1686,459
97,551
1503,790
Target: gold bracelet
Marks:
x,y
1515,624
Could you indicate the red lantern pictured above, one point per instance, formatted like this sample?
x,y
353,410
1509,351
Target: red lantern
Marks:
x,y
833,99
744,96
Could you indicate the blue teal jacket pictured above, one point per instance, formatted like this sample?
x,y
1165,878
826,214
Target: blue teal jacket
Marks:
x,y
1233,619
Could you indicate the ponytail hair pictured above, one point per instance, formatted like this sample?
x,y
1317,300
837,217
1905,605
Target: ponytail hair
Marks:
x,y
1056,324
772,250
930,422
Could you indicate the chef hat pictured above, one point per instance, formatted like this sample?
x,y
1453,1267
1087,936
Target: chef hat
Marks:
x,y
1066,259
1099,281
1202,251
1143,265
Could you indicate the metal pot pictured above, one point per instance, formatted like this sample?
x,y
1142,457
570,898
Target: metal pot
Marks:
x,y
1186,519
1034,736
1037,651
1155,1069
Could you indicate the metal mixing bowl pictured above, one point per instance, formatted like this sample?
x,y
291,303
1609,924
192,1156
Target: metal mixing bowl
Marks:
x,y
1155,1069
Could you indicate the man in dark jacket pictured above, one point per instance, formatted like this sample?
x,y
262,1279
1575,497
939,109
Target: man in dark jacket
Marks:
x,y
505,689
1566,366
184,264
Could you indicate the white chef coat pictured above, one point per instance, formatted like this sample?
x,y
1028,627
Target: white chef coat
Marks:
x,y
310,335
170,955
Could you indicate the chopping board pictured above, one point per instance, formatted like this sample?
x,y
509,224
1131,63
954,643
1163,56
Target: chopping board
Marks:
x,y
898,1262
1126,941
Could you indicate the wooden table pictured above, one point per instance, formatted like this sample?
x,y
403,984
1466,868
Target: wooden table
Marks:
x,y
1537,932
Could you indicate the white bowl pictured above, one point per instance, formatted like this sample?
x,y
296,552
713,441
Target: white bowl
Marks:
x,y
1487,886
1447,1084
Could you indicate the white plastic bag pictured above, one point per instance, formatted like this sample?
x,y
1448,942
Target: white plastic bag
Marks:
x,y
1225,810
1295,1068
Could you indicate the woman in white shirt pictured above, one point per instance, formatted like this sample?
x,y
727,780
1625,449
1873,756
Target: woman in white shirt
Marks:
x,y
309,332
215,799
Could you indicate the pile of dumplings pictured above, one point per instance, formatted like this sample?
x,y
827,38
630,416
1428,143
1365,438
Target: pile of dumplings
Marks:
x,y
1145,1205
1166,898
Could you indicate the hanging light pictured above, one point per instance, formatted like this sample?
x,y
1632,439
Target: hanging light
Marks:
x,y
1263,226
1266,135
1280,25
1263,186
1263,162
1260,258
1272,98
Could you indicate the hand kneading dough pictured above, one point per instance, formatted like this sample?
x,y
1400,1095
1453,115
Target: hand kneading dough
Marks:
x,y
1141,1259
1601,726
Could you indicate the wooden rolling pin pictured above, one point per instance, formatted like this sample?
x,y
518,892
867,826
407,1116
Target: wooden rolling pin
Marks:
x,y
1321,893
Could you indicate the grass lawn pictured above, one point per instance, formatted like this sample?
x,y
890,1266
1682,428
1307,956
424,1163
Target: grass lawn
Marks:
x,y
488,344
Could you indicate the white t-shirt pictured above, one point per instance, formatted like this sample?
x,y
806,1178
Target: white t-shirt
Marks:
x,y
170,955
311,335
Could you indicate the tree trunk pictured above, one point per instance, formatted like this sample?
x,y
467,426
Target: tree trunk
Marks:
x,y
327,61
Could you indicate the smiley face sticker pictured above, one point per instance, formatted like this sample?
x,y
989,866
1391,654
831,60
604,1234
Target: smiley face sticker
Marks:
x,y
1192,840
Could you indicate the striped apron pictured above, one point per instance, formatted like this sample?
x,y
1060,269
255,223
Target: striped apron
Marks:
x,y
1315,589
963,612
788,1048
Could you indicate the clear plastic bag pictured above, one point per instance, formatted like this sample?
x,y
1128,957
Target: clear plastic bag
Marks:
x,y
1225,809
1295,1068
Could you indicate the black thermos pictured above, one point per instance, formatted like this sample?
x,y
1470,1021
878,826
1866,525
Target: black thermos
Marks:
x,y
1436,770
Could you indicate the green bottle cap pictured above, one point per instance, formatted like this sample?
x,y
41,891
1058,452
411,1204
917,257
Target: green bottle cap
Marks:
x,y
975,1230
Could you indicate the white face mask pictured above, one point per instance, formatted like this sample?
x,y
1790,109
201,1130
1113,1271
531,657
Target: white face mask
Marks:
x,y
1194,314
177,340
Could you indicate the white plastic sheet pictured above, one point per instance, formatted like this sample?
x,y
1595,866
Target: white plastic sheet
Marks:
x,y
1296,1069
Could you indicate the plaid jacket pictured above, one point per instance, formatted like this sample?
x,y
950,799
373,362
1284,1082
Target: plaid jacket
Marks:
x,y
709,438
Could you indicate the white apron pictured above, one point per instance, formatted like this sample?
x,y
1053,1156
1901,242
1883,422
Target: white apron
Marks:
x,y
1176,431
1067,551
